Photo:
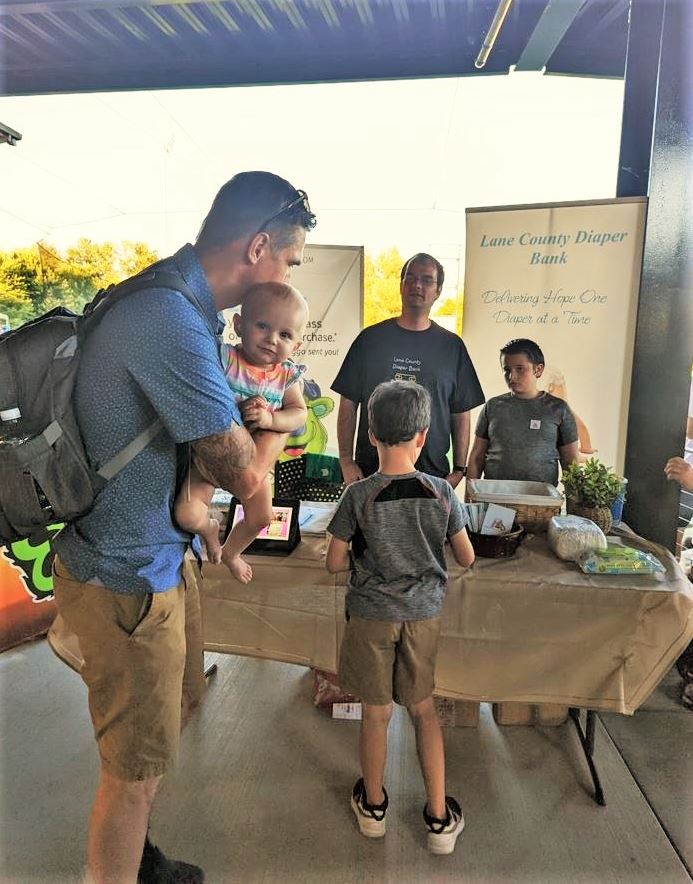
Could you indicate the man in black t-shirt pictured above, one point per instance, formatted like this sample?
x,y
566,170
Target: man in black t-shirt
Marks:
x,y
409,347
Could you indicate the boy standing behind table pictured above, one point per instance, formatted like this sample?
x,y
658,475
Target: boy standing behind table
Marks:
x,y
525,433
397,521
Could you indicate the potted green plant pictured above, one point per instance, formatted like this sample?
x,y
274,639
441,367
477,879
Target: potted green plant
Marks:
x,y
590,489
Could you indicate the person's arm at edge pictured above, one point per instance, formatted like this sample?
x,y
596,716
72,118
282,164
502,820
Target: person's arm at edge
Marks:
x,y
568,453
237,461
460,428
337,557
346,430
677,470
462,548
475,464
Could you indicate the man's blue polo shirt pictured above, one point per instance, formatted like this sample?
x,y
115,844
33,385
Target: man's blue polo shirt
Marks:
x,y
152,355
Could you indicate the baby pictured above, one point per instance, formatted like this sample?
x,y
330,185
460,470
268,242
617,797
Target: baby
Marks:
x,y
269,391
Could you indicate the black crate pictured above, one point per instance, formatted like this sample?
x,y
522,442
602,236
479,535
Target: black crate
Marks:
x,y
290,482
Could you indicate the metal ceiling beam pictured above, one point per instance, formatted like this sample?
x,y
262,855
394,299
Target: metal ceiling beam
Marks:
x,y
550,30
9,136
492,33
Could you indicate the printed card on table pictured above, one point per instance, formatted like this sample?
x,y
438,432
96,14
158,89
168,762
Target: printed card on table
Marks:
x,y
475,514
498,519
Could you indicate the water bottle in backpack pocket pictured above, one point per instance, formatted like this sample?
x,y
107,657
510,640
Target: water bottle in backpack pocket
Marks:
x,y
11,437
43,478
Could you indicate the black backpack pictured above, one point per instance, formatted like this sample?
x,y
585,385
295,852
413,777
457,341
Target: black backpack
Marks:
x,y
48,478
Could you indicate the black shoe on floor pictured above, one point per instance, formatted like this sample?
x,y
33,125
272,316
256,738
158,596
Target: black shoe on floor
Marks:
x,y
156,868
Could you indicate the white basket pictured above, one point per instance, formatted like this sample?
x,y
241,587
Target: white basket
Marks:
x,y
534,502
514,491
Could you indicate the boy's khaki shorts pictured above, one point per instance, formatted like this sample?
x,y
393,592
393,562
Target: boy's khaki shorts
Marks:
x,y
143,661
382,660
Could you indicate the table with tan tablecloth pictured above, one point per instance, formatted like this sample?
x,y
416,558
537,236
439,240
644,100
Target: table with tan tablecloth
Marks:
x,y
531,629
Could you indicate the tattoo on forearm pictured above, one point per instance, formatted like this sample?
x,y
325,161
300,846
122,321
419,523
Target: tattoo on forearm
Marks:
x,y
221,458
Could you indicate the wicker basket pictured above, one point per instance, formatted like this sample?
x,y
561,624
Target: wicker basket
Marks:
x,y
290,483
600,515
497,546
533,516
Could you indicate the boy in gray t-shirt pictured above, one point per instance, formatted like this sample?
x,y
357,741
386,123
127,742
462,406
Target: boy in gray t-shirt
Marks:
x,y
524,434
397,521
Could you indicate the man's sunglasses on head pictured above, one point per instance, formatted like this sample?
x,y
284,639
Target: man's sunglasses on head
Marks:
x,y
301,199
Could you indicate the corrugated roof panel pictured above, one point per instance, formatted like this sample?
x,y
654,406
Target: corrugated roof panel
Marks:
x,y
88,45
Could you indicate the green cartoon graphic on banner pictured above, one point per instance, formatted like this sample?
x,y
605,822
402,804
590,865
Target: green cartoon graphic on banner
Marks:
x,y
35,559
312,437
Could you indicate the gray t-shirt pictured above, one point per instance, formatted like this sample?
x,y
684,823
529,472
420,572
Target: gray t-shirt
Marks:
x,y
524,436
397,526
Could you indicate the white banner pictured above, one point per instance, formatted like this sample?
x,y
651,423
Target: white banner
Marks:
x,y
566,276
331,278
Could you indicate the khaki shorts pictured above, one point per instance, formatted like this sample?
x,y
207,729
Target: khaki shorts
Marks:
x,y
381,660
142,663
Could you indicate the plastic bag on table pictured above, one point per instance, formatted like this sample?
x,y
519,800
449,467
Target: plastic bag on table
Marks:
x,y
569,536
617,559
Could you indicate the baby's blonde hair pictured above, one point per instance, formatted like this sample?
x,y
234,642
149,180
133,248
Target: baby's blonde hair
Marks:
x,y
263,293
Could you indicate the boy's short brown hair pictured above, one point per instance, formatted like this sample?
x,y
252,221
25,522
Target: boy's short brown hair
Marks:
x,y
398,410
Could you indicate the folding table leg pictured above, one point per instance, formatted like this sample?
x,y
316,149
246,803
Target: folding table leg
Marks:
x,y
586,738
209,670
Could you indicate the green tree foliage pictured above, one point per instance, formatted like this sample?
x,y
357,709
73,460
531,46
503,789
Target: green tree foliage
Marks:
x,y
381,286
37,278
452,307
135,256
13,301
21,286
448,307
89,266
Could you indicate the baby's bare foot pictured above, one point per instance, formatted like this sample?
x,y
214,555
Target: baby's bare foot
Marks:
x,y
212,544
240,569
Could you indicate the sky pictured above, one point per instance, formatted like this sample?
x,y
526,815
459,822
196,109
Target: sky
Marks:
x,y
384,163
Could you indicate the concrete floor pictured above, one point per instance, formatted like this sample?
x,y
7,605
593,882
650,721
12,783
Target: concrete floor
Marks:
x,y
657,746
261,793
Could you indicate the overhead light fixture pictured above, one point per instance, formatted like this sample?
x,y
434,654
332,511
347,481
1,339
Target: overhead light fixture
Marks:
x,y
9,136
492,33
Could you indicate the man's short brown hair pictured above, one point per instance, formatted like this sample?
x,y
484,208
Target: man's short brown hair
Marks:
x,y
242,206
425,258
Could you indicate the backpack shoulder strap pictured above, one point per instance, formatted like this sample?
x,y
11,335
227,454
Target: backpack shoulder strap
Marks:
x,y
130,452
151,278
